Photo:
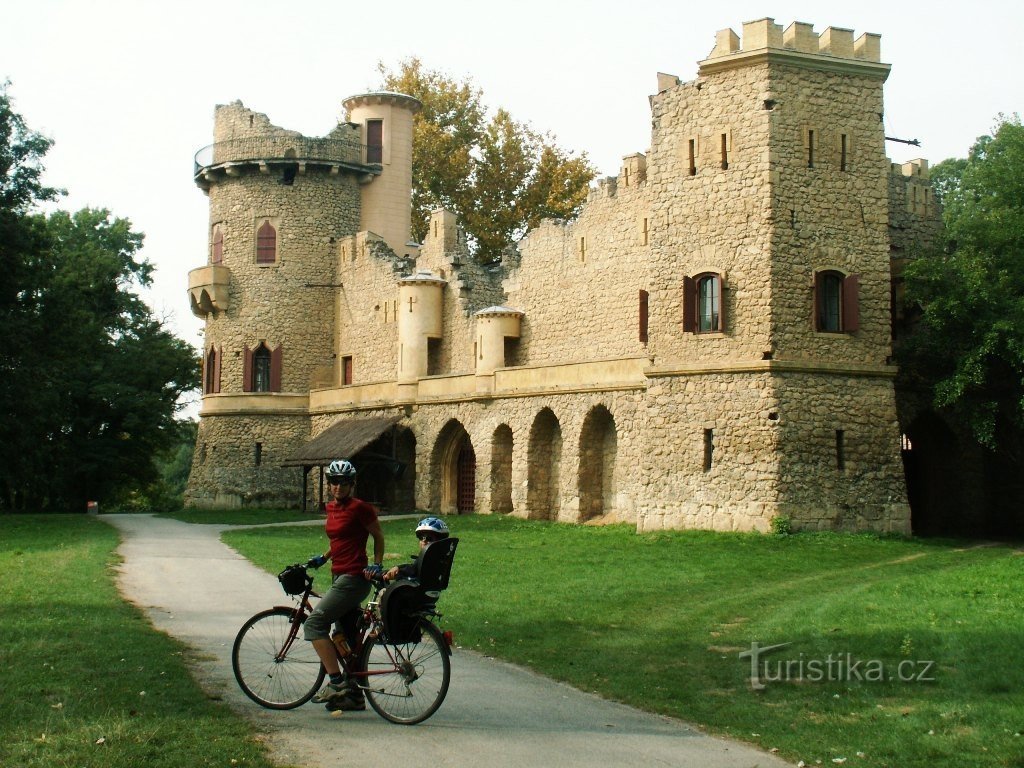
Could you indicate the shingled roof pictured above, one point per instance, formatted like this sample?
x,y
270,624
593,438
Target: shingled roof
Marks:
x,y
341,440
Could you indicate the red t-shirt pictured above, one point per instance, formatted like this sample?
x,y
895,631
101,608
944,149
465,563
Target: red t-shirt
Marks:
x,y
347,528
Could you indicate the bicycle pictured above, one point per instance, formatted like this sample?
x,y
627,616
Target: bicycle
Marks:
x,y
399,657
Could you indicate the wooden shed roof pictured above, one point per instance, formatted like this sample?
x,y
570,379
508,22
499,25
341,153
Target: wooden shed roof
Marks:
x,y
341,440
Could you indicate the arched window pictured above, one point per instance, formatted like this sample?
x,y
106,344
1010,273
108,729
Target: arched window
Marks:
x,y
211,372
266,244
261,369
709,303
836,302
217,253
703,311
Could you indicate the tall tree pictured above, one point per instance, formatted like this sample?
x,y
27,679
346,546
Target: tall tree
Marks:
x,y
969,341
89,380
498,175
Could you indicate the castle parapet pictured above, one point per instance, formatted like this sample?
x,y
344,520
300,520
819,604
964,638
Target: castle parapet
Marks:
x,y
765,35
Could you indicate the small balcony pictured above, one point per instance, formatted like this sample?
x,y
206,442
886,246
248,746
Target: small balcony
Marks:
x,y
208,289
294,154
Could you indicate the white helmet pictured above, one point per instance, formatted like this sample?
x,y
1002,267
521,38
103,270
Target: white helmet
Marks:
x,y
341,469
434,525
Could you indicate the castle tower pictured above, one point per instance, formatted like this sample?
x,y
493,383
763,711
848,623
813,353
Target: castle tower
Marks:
x,y
386,121
279,203
773,251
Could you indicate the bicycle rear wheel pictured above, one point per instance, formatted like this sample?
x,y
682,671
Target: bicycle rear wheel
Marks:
x,y
273,665
406,682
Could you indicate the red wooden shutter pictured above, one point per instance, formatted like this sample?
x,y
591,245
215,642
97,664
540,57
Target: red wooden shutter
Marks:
x,y
644,301
266,244
275,368
218,246
851,303
346,370
689,305
247,369
816,309
721,303
375,141
219,357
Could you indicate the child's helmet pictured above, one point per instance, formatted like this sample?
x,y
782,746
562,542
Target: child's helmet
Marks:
x,y
433,525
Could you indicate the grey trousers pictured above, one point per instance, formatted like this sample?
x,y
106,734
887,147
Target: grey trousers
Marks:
x,y
346,593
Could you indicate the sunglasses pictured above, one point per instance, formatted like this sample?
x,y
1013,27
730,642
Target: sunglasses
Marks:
x,y
338,481
426,537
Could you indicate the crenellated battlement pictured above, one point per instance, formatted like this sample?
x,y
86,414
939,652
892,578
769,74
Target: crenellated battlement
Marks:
x,y
798,37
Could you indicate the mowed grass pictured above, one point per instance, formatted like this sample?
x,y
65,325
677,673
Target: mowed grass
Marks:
x,y
901,652
84,679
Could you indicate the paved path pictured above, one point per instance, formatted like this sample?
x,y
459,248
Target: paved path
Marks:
x,y
200,591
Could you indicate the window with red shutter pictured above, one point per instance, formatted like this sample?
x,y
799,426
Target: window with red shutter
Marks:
x,y
266,244
217,255
346,370
836,302
375,141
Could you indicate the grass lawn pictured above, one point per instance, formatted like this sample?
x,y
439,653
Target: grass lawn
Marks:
x,y
900,652
84,679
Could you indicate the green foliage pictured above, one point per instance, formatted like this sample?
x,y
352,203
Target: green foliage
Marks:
x,y
89,380
86,680
659,620
969,344
499,176
782,525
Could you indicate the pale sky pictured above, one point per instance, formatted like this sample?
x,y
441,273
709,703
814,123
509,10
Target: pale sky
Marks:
x,y
127,89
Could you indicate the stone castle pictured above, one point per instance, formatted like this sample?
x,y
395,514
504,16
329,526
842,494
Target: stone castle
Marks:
x,y
708,345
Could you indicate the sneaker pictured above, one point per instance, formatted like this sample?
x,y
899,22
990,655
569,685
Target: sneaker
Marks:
x,y
331,692
347,703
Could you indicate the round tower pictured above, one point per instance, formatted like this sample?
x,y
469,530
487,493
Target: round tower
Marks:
x,y
420,314
385,122
279,202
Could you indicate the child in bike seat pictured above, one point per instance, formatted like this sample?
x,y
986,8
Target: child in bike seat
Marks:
x,y
428,530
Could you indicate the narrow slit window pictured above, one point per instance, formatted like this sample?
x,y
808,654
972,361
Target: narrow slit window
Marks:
x,y
257,454
725,151
693,157
810,149
709,448
840,451
583,249
644,314
843,149
346,370
646,232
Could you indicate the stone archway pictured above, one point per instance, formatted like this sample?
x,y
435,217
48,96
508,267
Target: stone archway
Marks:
x,y
453,471
501,469
544,460
598,448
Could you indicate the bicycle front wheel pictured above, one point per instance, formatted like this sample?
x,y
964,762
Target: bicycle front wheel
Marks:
x,y
273,665
406,682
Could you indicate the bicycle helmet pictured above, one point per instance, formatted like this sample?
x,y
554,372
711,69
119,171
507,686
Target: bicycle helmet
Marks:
x,y
341,469
433,525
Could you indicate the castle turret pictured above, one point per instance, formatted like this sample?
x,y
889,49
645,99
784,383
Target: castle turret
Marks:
x,y
385,120
419,323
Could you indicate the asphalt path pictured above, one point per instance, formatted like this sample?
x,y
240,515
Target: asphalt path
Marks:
x,y
199,590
